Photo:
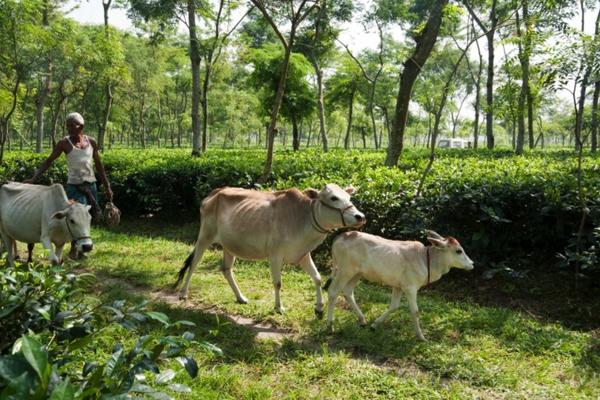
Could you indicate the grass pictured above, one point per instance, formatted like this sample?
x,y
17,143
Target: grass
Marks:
x,y
473,351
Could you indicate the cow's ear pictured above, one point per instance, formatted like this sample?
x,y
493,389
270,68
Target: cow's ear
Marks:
x,y
437,242
59,214
350,190
87,208
311,193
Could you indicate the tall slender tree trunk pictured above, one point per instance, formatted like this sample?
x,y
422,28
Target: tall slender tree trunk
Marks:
x,y
524,60
195,61
295,133
108,99
477,104
321,106
349,126
412,67
595,116
44,91
204,104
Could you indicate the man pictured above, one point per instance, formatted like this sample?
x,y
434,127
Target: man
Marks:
x,y
79,150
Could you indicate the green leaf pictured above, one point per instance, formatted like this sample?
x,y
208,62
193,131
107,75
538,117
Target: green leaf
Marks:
x,y
17,389
158,316
113,363
211,347
37,358
190,365
164,377
179,388
13,366
64,391
43,313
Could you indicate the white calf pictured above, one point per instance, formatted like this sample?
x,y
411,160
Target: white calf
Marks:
x,y
406,266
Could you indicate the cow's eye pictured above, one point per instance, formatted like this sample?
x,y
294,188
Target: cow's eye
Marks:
x,y
333,198
72,221
459,251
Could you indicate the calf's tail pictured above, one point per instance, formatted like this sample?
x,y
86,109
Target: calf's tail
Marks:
x,y
186,265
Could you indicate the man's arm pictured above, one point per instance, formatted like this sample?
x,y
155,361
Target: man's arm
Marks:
x,y
101,170
58,149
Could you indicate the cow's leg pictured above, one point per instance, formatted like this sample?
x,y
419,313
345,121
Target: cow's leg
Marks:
x,y
8,246
308,265
276,263
48,246
201,245
394,304
339,282
411,296
349,295
15,250
59,251
30,252
227,269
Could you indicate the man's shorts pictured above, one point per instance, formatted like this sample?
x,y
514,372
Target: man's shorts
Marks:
x,y
78,192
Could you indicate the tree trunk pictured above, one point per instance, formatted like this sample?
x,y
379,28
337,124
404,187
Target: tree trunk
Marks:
x,y
321,106
524,60
107,89
295,133
272,129
349,127
44,91
595,116
195,61
412,67
204,104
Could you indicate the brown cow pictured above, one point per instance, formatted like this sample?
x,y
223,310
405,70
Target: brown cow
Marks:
x,y
282,226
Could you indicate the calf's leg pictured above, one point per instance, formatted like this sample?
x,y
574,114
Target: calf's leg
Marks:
x,y
308,265
394,304
411,296
227,269
340,280
349,295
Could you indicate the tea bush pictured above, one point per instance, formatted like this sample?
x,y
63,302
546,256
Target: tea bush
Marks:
x,y
499,205
57,343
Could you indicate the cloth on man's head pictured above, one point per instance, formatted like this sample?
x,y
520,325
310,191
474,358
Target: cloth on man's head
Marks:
x,y
75,117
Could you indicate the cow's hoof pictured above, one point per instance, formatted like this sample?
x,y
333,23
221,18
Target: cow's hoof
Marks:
x,y
319,313
279,310
329,328
242,300
373,327
421,338
363,324
183,297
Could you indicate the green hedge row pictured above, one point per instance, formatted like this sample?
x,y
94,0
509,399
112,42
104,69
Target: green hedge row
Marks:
x,y
499,205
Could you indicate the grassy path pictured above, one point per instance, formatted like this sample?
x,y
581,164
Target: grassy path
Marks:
x,y
472,352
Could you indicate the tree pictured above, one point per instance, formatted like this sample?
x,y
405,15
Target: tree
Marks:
x,y
19,28
298,101
343,88
425,39
317,42
495,10
294,13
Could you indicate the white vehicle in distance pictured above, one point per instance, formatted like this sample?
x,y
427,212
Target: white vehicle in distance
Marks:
x,y
454,143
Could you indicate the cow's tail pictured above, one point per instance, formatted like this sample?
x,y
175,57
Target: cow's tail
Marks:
x,y
186,265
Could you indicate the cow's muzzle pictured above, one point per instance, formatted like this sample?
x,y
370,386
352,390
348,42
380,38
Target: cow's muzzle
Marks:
x,y
85,244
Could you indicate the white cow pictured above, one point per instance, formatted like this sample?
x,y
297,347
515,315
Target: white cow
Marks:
x,y
282,226
406,266
37,213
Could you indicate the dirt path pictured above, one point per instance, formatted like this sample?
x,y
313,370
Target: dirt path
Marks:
x,y
262,330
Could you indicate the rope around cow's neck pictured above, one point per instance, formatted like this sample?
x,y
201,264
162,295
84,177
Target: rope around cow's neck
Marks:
x,y
315,223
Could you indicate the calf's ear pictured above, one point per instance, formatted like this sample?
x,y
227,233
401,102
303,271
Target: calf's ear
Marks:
x,y
437,242
311,193
350,190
